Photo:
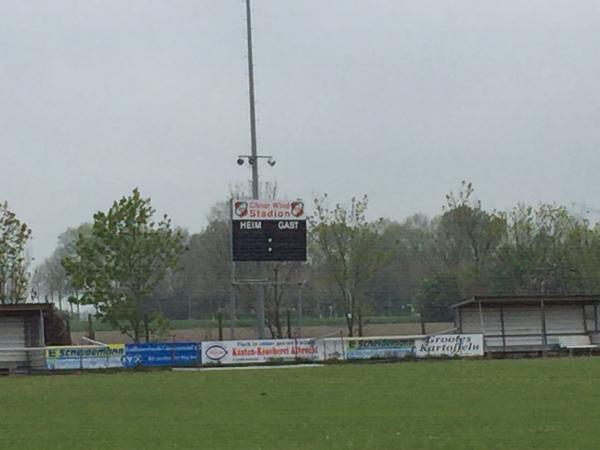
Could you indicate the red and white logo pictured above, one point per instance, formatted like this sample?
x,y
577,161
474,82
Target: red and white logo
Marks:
x,y
267,210
297,209
241,209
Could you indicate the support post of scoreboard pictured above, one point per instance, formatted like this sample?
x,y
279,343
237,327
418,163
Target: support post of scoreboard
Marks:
x,y
260,305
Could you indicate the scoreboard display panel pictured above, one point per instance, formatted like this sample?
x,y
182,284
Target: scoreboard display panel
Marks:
x,y
268,231
269,240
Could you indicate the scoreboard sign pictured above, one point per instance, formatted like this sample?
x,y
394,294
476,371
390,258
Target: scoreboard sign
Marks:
x,y
268,230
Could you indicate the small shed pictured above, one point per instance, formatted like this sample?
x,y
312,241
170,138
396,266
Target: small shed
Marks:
x,y
528,322
25,329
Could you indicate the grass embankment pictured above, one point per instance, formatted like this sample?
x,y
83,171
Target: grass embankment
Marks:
x,y
525,404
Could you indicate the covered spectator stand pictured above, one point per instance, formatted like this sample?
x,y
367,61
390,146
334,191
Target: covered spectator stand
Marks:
x,y
531,323
25,330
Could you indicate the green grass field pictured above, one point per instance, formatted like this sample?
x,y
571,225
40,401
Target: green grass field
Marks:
x,y
527,404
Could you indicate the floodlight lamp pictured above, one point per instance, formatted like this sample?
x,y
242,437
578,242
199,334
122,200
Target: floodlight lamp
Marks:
x,y
240,161
271,162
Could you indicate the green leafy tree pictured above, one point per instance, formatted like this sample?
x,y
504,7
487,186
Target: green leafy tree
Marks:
x,y
14,277
584,245
546,250
466,239
350,251
435,296
122,261
395,284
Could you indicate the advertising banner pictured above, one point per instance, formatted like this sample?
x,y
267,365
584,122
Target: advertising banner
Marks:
x,y
85,357
331,349
257,351
384,348
450,345
161,354
268,210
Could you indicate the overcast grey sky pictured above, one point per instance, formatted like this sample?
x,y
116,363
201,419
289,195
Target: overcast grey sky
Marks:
x,y
397,99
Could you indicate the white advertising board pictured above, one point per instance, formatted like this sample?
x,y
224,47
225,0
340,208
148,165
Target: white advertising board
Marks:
x,y
331,349
85,357
257,351
449,345
268,210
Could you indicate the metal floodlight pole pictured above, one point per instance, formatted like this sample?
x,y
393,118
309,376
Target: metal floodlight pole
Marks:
x,y
260,293
252,101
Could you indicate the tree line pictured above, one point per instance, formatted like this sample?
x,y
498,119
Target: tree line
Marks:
x,y
128,266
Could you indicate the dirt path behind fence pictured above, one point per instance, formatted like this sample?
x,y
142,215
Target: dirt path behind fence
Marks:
x,y
200,334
